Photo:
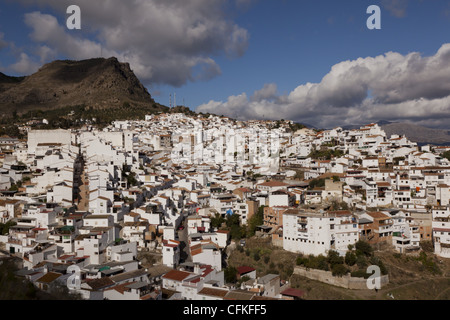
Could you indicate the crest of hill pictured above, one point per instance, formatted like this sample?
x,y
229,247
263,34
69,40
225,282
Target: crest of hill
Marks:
x,y
421,135
96,83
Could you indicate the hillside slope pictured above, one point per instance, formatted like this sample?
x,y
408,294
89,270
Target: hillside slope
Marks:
x,y
96,83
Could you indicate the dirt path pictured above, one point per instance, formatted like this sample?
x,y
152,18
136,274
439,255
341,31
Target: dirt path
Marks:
x,y
383,294
441,294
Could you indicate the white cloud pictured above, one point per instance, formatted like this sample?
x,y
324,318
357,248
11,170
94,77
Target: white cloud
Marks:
x,y
268,92
165,41
45,53
25,65
387,87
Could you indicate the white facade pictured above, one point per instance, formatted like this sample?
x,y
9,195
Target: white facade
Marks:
x,y
316,233
60,136
441,232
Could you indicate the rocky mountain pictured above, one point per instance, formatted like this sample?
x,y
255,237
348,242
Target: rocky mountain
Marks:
x,y
421,135
96,83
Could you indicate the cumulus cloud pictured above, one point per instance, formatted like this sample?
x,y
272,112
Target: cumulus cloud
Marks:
x,y
46,29
25,65
387,87
268,92
165,41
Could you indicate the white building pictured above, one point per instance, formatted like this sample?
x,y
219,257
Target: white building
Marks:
x,y
317,233
208,254
441,232
171,253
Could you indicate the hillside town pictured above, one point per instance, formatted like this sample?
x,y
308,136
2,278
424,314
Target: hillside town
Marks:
x,y
84,205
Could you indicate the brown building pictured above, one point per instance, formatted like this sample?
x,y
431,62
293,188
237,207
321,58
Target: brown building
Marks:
x,y
252,208
243,193
375,227
273,217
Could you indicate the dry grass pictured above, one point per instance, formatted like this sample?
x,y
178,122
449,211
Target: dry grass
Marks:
x,y
265,258
409,278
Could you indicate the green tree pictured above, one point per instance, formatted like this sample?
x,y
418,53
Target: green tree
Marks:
x,y
322,263
256,220
361,261
350,258
363,247
256,256
131,179
339,270
237,232
217,220
317,183
233,220
446,155
230,274
334,258
4,227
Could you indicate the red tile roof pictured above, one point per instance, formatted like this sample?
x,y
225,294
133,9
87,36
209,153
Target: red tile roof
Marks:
x,y
245,269
273,184
293,292
176,275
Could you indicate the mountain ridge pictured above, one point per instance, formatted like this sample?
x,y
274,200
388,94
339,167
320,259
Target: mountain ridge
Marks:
x,y
420,134
417,133
97,83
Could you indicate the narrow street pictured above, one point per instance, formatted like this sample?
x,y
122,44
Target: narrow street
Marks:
x,y
184,246
83,185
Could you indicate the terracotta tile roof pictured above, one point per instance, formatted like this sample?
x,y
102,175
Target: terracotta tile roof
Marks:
x,y
220,293
273,184
378,215
121,288
293,292
441,229
176,275
49,277
245,269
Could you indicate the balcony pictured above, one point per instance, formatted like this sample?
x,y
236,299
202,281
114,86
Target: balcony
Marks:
x,y
15,241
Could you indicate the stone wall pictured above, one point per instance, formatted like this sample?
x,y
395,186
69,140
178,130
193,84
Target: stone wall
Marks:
x,y
346,281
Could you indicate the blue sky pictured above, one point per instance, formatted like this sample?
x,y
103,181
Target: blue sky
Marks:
x,y
236,48
294,42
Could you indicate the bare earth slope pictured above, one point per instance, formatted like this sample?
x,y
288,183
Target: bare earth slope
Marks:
x,y
97,83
